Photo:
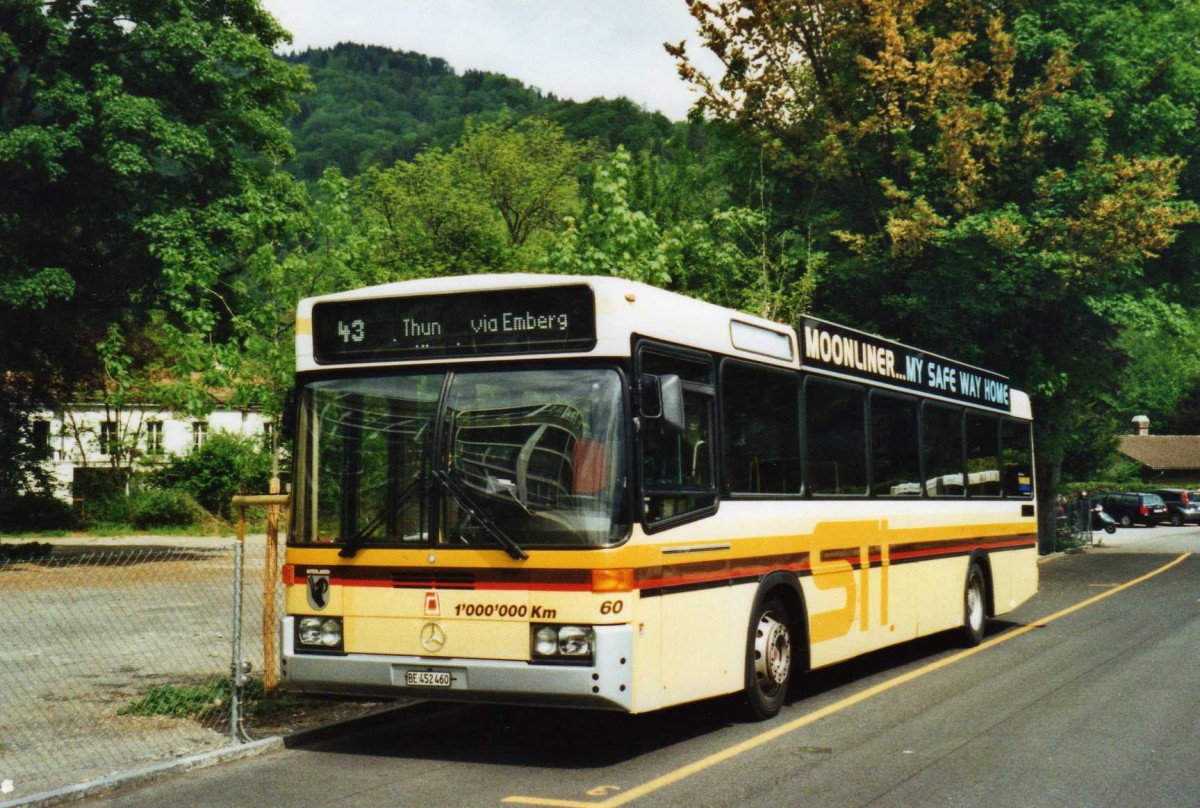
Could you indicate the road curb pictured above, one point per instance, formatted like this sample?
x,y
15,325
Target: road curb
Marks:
x,y
144,775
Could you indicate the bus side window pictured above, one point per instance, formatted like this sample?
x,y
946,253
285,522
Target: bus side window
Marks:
x,y
1016,452
895,452
943,450
835,423
677,469
983,450
760,415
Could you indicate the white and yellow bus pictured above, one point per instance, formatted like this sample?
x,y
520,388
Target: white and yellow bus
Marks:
x,y
590,492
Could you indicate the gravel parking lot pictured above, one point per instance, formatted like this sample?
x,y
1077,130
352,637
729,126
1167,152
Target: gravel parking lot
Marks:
x,y
97,625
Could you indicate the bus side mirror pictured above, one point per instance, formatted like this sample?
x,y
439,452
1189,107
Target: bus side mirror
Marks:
x,y
662,398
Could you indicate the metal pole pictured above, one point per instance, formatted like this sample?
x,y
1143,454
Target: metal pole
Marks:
x,y
270,573
235,668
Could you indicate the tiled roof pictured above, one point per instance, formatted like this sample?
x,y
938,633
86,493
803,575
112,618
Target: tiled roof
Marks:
x,y
1163,451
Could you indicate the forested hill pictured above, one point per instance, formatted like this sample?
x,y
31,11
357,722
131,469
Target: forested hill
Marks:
x,y
375,105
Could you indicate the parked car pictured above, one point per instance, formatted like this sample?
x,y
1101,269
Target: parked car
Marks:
x,y
1130,508
1183,506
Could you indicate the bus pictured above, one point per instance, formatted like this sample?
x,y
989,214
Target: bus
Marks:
x,y
590,492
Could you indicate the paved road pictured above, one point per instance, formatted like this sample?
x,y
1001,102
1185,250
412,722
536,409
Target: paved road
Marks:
x,y
1162,539
1088,695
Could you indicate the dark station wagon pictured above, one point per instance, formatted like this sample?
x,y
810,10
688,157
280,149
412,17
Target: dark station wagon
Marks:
x,y
1129,509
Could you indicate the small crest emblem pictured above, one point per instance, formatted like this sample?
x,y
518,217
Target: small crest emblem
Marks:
x,y
433,605
318,589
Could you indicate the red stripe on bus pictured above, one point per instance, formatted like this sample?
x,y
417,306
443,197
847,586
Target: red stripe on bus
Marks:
x,y
656,577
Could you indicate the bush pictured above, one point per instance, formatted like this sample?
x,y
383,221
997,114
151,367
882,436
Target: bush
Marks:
x,y
223,465
158,507
29,551
92,512
34,512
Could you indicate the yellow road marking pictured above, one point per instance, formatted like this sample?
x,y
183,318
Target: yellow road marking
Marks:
x,y
804,720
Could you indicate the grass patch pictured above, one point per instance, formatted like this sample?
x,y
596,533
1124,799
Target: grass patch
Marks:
x,y
34,534
201,700
111,530
181,701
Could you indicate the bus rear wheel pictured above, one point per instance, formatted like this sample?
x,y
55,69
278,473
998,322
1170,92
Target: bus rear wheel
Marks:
x,y
769,660
974,606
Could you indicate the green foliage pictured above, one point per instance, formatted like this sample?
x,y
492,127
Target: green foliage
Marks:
x,y
613,123
611,237
157,508
1160,374
482,205
981,179
128,133
29,551
224,465
182,701
34,513
375,106
206,699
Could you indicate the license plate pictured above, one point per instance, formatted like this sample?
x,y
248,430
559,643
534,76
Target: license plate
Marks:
x,y
427,678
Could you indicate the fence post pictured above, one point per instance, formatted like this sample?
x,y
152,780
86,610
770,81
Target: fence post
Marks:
x,y
270,572
235,667
273,502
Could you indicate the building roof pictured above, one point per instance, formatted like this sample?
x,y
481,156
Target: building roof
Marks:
x,y
1163,452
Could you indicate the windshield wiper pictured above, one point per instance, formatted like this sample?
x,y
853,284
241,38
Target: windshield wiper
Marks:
x,y
355,542
468,504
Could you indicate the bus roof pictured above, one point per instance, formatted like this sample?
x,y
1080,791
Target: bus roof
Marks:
x,y
599,316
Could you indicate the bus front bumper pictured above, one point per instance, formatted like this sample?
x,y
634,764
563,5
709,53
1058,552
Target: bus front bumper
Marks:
x,y
606,684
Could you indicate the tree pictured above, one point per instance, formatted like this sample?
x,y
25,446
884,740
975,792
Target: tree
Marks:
x,y
374,106
482,205
128,132
610,237
527,174
978,178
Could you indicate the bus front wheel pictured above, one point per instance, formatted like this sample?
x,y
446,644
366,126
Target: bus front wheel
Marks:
x,y
974,606
769,662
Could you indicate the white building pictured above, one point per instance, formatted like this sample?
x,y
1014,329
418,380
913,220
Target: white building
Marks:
x,y
89,435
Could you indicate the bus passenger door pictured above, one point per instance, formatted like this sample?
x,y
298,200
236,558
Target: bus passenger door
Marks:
x,y
677,465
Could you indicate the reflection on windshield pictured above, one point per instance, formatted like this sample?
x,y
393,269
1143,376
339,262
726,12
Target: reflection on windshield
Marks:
x,y
363,457
541,451
519,458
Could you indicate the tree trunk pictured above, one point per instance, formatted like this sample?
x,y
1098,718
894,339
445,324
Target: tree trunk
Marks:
x,y
1048,473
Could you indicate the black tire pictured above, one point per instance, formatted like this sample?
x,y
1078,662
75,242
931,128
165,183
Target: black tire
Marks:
x,y
1125,521
974,606
770,660
1109,527
1176,520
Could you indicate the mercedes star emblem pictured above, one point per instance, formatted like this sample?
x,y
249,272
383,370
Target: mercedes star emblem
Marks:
x,y
433,637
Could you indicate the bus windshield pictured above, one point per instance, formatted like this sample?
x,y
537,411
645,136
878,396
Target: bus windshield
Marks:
x,y
502,458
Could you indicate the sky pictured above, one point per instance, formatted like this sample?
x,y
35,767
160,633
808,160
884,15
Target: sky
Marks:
x,y
576,49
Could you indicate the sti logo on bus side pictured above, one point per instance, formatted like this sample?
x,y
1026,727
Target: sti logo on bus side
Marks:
x,y
318,589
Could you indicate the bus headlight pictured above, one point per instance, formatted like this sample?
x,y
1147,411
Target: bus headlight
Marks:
x,y
567,643
323,633
575,641
545,641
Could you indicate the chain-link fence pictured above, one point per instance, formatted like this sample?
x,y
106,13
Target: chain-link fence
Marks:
x,y
1075,524
114,658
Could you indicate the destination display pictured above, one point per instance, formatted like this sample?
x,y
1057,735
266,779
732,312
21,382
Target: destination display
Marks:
x,y
854,353
510,321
